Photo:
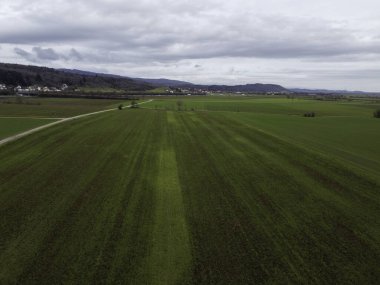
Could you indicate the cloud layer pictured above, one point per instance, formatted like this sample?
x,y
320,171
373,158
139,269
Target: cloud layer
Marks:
x,y
328,43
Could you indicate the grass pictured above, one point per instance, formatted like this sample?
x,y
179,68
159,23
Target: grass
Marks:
x,y
100,90
204,197
278,212
159,90
18,114
353,140
52,107
343,129
12,126
170,248
269,105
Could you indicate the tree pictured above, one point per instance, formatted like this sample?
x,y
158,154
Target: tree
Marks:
x,y
134,104
38,78
19,100
179,105
309,114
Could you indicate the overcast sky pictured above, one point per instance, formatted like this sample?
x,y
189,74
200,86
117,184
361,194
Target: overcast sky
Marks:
x,y
297,43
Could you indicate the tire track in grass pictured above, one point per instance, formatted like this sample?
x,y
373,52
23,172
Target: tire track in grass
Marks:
x,y
170,254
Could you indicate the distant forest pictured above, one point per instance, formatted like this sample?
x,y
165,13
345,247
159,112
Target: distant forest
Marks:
x,y
25,75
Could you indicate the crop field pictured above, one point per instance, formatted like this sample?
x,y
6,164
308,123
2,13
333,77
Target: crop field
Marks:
x,y
231,191
18,114
343,129
264,105
13,125
52,107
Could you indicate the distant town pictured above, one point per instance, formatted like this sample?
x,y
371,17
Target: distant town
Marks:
x,y
32,89
36,89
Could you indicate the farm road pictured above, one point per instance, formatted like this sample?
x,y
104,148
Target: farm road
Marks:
x,y
21,135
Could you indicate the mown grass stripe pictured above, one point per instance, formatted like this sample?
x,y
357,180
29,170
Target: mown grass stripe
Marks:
x,y
170,255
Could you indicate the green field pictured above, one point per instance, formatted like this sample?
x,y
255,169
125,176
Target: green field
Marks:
x,y
238,191
19,114
12,126
260,105
52,107
343,129
100,90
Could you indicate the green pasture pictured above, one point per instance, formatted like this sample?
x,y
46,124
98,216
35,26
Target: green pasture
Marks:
x,y
52,107
100,90
277,106
353,140
11,126
343,129
218,195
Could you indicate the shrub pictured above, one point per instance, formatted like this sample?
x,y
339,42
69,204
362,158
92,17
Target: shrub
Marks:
x,y
19,100
309,114
376,114
134,104
120,107
179,105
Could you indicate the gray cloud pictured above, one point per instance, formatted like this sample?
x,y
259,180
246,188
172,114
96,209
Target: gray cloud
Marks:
x,y
151,34
39,54
175,33
75,55
46,54
23,53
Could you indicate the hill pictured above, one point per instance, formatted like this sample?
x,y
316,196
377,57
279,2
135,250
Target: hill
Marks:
x,y
327,91
165,82
156,82
258,87
26,75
